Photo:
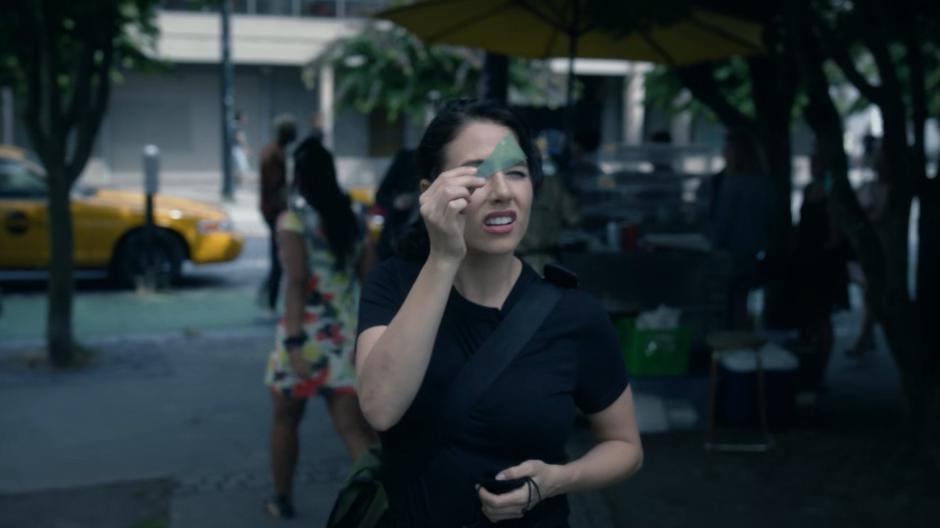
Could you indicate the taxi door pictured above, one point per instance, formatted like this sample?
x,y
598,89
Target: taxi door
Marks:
x,y
24,219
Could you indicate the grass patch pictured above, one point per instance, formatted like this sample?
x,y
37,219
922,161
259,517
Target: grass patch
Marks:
x,y
37,359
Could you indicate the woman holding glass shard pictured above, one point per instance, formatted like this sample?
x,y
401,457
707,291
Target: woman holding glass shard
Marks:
x,y
422,328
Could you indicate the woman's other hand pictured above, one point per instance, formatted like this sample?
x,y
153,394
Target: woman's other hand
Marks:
x,y
442,206
298,364
515,504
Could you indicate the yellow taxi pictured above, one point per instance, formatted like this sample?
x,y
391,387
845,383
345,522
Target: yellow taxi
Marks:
x,y
364,199
108,227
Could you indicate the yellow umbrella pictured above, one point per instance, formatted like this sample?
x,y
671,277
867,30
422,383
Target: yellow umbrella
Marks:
x,y
540,29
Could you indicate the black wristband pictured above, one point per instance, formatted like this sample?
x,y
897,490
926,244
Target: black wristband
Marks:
x,y
295,341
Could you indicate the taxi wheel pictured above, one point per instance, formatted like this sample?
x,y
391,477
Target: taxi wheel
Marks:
x,y
136,257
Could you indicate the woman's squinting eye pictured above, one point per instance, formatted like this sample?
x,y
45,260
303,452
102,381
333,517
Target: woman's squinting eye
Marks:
x,y
517,173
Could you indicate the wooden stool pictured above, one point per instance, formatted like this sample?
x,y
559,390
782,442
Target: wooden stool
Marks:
x,y
721,342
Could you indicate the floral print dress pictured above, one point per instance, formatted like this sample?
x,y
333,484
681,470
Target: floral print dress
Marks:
x,y
332,298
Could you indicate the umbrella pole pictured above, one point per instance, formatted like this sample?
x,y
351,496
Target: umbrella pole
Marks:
x,y
569,98
573,33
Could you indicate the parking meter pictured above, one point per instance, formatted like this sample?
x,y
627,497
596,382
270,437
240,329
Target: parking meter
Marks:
x,y
151,169
151,158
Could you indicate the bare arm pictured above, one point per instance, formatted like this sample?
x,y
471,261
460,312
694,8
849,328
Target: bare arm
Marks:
x,y
391,361
617,455
294,260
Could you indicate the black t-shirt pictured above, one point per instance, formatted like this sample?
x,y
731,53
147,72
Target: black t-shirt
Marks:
x,y
572,363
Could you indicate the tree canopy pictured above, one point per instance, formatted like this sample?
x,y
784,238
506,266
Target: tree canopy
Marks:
x,y
386,67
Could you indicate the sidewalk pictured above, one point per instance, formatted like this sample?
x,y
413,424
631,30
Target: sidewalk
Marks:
x,y
178,426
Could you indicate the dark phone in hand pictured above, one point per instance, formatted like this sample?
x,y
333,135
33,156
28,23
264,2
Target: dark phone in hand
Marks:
x,y
499,487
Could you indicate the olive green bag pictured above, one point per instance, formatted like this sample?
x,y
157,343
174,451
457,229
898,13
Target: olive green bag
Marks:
x,y
362,501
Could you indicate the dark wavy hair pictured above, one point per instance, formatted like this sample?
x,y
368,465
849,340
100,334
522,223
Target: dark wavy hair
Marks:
x,y
315,181
443,129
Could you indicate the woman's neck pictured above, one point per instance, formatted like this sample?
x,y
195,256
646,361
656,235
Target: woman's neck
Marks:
x,y
487,279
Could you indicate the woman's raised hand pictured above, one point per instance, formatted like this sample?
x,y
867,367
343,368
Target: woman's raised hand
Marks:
x,y
442,206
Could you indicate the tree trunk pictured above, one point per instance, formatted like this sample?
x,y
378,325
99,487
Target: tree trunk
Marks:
x,y
902,320
928,264
59,315
928,302
882,252
66,55
775,143
773,88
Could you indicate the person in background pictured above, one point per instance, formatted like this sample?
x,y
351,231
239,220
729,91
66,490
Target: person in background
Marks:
x,y
397,200
554,209
579,165
316,132
273,200
325,253
819,265
873,197
741,221
240,148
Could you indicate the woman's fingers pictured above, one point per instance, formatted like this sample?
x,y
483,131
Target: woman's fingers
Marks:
x,y
442,202
505,506
454,192
458,172
456,179
515,498
441,205
458,205
300,367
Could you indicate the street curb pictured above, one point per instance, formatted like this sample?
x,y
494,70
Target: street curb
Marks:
x,y
155,337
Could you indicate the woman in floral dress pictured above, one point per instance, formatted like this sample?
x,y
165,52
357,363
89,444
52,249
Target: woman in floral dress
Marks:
x,y
324,254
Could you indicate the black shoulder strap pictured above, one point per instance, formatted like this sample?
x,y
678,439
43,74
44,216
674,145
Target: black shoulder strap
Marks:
x,y
497,352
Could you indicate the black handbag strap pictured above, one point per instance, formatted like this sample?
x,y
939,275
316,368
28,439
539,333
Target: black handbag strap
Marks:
x,y
497,352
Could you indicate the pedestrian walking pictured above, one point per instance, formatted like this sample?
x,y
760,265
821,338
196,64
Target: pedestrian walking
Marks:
x,y
741,210
820,270
241,150
424,328
324,251
873,196
273,201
